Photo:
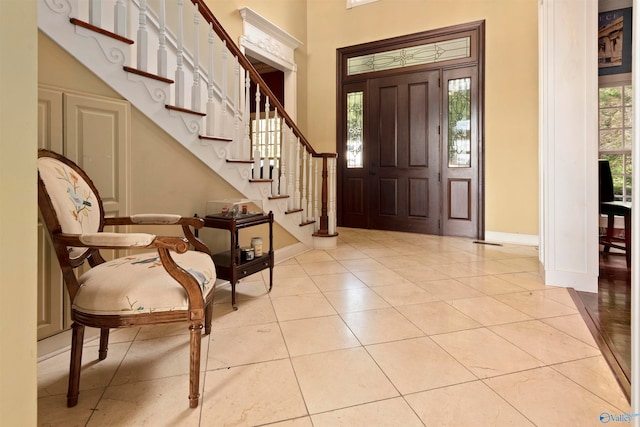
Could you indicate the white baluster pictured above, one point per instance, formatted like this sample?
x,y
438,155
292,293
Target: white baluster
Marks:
x,y
296,165
120,18
268,173
292,164
236,107
143,37
267,138
247,115
303,203
256,164
95,12
257,136
162,42
282,189
275,174
316,212
223,126
211,106
179,80
310,186
195,89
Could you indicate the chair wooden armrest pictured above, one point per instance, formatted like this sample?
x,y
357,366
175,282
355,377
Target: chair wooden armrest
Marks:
x,y
104,240
165,219
155,219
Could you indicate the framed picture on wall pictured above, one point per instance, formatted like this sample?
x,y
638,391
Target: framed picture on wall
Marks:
x,y
614,41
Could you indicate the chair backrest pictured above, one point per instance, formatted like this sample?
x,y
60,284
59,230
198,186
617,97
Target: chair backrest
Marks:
x,y
605,180
68,200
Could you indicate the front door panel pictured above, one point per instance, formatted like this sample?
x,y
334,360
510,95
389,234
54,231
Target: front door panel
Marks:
x,y
404,152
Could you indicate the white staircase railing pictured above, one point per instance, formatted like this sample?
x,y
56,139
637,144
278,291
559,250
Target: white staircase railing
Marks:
x,y
143,42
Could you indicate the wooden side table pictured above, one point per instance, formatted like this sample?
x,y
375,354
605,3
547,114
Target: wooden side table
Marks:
x,y
229,266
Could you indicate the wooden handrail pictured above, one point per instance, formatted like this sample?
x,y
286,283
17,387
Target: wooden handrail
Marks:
x,y
255,76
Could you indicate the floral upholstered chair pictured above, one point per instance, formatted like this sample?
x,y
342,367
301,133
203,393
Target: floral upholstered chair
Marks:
x,y
169,284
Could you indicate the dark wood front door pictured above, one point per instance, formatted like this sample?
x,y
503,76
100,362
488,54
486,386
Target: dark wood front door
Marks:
x,y
410,133
404,152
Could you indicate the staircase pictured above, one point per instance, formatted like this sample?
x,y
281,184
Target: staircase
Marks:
x,y
196,88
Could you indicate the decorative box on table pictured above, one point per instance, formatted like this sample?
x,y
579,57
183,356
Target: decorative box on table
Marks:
x,y
233,208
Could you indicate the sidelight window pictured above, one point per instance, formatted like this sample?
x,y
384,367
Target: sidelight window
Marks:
x,y
355,109
459,134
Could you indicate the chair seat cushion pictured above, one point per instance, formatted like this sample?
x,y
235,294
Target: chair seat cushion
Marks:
x,y
140,284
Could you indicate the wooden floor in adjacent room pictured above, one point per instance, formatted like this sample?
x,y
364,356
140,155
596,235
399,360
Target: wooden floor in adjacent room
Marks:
x,y
610,310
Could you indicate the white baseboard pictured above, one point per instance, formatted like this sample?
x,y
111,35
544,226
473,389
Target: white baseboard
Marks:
x,y
514,238
290,251
59,343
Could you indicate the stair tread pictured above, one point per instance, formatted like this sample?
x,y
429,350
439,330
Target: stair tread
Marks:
x,y
88,26
249,162
147,74
293,211
215,138
302,224
260,180
283,196
184,110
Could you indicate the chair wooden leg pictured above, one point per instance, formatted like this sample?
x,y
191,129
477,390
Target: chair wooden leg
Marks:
x,y
77,339
104,343
195,331
208,316
607,245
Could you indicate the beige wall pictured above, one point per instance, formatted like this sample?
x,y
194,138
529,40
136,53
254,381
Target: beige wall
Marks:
x,y
18,212
165,177
511,85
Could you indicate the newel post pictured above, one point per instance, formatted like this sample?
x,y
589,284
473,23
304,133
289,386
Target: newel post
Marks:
x,y
323,229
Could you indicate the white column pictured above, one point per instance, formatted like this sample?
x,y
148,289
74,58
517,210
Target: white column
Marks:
x,y
568,112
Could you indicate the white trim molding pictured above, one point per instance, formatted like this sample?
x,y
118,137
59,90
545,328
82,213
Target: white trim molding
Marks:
x,y
512,238
270,44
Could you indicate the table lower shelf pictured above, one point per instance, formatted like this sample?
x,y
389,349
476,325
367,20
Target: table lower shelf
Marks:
x,y
233,272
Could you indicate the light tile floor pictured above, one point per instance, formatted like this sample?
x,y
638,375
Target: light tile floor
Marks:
x,y
389,329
